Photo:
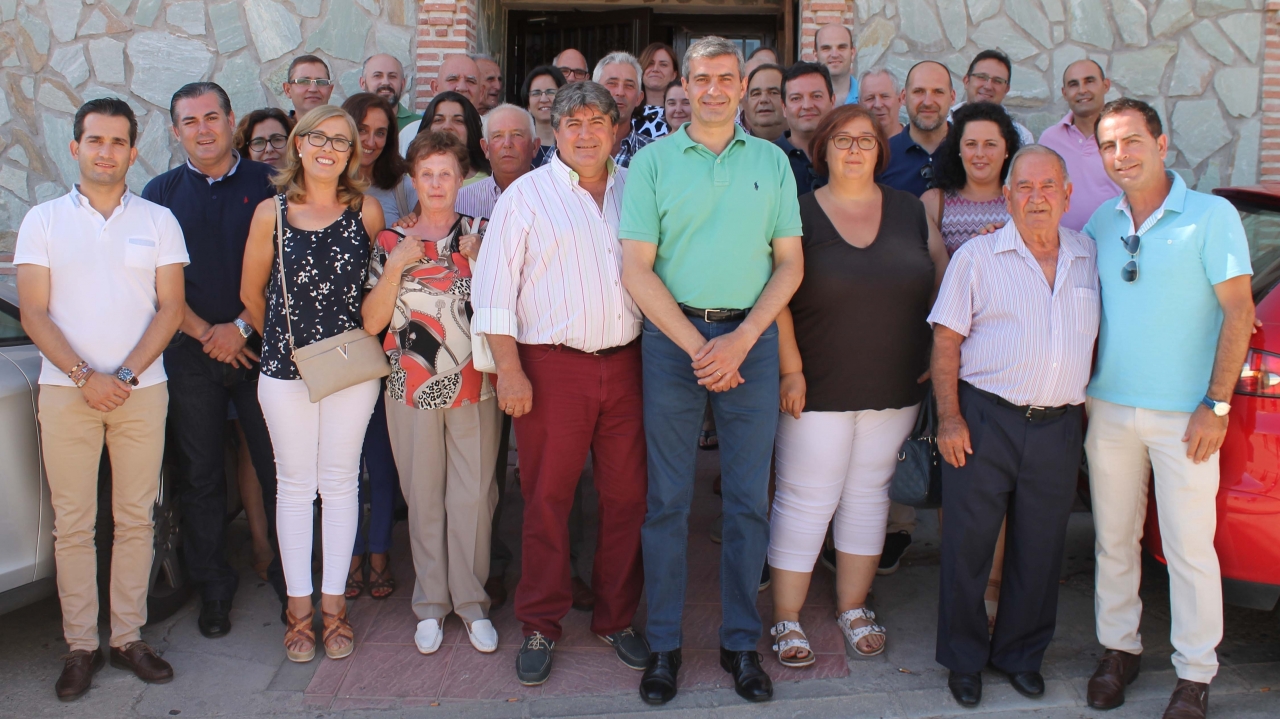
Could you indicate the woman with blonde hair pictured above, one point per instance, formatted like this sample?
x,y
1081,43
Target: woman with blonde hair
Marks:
x,y
326,228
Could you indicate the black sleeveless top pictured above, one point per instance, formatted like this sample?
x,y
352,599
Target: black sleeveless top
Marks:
x,y
326,270
860,313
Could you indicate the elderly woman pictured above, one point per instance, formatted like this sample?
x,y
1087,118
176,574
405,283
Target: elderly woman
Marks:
x,y
854,347
661,68
441,412
328,225
539,94
453,113
262,136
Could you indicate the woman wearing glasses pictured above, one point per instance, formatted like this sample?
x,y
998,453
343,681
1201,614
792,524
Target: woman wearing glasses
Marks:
x,y
262,136
539,93
328,224
853,348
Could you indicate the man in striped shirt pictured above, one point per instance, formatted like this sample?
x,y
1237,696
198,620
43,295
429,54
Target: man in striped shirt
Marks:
x,y
548,296
1014,328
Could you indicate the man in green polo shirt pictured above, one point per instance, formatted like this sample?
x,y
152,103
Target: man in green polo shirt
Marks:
x,y
383,75
710,232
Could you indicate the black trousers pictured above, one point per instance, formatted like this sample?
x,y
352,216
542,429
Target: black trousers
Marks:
x,y
1026,471
199,389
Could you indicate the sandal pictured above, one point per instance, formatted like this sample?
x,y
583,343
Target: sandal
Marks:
x,y
336,629
782,645
300,628
381,583
707,440
853,635
357,580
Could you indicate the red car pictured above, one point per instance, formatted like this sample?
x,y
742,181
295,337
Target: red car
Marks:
x,y
1248,538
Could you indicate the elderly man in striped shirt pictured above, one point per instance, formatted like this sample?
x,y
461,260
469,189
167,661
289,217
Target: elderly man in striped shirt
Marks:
x,y
548,296
1014,328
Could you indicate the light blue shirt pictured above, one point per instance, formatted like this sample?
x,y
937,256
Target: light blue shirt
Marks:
x,y
852,97
1159,334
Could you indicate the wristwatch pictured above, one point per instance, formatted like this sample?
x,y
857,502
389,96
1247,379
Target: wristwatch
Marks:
x,y
1221,409
124,374
246,330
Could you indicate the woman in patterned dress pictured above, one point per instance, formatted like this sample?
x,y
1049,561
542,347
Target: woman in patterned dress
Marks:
x,y
660,67
442,414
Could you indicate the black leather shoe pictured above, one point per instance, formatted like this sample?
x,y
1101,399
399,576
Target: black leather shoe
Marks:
x,y
215,618
966,688
749,678
1028,684
658,685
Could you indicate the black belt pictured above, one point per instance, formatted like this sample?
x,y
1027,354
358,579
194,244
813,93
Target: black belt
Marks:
x,y
715,315
1033,413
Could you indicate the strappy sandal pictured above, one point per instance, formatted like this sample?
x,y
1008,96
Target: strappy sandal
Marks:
x,y
381,581
300,628
336,628
357,580
707,440
783,645
853,635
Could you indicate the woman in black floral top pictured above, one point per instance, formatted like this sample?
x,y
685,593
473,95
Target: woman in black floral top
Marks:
x,y
327,226
660,68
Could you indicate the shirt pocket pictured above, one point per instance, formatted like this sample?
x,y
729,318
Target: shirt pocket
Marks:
x,y
1085,306
140,253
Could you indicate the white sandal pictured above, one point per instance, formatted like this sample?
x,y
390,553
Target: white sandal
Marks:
x,y
782,646
854,635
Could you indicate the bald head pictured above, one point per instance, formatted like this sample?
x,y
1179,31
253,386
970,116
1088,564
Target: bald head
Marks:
x,y
505,115
928,95
460,74
572,64
1085,87
384,75
833,44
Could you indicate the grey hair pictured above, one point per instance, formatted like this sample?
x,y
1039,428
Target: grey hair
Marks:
x,y
880,70
1037,150
483,56
709,47
617,58
504,107
583,95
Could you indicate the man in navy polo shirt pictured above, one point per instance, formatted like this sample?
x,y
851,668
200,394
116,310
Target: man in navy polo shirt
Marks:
x,y
213,360
928,95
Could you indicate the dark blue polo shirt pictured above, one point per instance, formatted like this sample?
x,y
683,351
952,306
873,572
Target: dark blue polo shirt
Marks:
x,y
806,179
215,223
907,161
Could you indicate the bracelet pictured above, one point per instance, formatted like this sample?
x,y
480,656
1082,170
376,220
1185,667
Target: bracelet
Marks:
x,y
79,366
83,378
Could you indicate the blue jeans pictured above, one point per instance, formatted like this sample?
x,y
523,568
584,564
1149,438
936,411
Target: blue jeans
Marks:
x,y
746,421
380,491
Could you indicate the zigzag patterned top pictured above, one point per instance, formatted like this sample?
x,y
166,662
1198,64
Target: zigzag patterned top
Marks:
x,y
963,218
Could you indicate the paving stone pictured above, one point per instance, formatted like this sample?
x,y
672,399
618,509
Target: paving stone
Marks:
x,y
153,145
1171,16
1213,41
8,10
954,21
12,210
1028,88
46,191
1063,56
1089,23
57,138
227,28
1208,8
19,155
1210,179
107,55
274,31
1192,70
14,180
1054,10
1131,19
55,95
146,12
1199,129
63,16
95,25
980,10
1059,34
162,63
189,16
1030,18
1139,71
875,38
1245,30
398,42
137,177
1042,62
344,29
1237,87
35,37
1000,33
121,6
307,8
69,61
239,77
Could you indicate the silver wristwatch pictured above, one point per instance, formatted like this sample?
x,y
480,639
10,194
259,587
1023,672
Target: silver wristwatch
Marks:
x,y
246,330
124,374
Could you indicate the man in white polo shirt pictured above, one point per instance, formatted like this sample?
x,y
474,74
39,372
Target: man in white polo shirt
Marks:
x,y
100,283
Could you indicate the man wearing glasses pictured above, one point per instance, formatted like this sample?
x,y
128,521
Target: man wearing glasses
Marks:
x,y
988,81
1177,315
572,64
308,86
927,95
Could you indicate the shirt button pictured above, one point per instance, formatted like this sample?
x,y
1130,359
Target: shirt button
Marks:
x,y
1171,242
1055,364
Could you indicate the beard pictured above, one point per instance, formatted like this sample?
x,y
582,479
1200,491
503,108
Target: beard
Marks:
x,y
395,96
919,123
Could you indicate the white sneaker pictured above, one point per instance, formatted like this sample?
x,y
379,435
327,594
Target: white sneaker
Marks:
x,y
483,636
428,636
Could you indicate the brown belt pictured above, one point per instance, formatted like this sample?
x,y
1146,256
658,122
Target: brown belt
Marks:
x,y
598,353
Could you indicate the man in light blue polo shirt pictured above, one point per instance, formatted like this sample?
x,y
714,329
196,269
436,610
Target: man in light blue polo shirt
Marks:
x,y
1177,312
710,232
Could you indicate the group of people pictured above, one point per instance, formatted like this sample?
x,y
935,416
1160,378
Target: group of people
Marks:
x,y
591,270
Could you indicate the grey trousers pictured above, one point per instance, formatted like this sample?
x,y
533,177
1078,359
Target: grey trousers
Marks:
x,y
446,460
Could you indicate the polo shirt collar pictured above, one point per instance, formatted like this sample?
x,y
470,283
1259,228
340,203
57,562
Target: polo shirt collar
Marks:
x,y
210,180
80,201
1175,201
784,141
682,138
569,175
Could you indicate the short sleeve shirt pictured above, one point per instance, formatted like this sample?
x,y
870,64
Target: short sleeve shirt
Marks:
x,y
713,217
1159,334
907,165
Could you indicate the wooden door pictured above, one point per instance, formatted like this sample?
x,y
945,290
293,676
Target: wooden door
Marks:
x,y
535,38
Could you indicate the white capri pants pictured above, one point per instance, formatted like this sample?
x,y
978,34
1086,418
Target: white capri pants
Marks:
x,y
834,464
317,448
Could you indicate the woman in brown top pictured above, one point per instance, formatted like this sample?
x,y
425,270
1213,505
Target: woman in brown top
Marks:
x,y
854,348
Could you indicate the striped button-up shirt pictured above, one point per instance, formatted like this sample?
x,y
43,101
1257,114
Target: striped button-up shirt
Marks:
x,y
1024,341
478,198
550,268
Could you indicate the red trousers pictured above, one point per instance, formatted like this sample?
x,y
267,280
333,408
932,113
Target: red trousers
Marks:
x,y
581,402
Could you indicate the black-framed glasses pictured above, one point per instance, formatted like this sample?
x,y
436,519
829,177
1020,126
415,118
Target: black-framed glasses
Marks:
x,y
258,144
549,94
984,77
572,73
317,81
339,144
865,142
926,174
1132,243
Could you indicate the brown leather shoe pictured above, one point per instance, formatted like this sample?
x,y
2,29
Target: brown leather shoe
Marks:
x,y
583,598
497,592
1190,700
77,673
1116,670
143,661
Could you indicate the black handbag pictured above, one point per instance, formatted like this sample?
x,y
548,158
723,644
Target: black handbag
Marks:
x,y
917,478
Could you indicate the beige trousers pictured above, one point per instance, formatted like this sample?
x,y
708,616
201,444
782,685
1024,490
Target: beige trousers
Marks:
x,y
72,435
446,460
1124,444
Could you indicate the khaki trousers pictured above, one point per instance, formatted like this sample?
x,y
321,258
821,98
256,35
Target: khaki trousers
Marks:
x,y
1123,445
446,460
72,435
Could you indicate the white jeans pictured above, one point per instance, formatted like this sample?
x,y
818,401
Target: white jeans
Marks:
x,y
1123,444
834,464
317,448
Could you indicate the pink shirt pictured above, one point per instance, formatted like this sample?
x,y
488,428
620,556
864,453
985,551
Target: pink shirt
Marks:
x,y
1089,182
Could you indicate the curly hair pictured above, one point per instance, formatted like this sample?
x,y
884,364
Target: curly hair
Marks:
x,y
292,180
951,175
470,118
388,168
249,123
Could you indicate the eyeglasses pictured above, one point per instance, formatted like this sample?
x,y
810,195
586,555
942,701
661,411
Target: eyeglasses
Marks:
x,y
535,94
1132,243
572,73
865,142
258,144
317,81
926,174
340,144
984,77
